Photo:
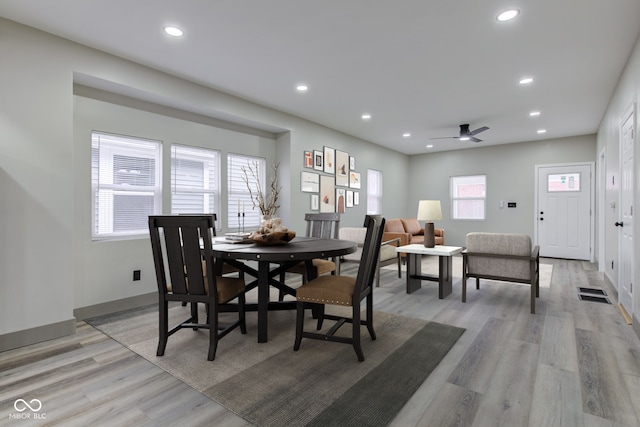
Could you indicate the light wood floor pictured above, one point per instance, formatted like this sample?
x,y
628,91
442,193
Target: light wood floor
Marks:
x,y
574,363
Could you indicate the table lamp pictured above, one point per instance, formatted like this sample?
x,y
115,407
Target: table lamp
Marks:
x,y
429,211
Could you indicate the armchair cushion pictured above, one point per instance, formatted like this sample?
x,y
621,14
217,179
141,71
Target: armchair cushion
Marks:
x,y
412,226
394,226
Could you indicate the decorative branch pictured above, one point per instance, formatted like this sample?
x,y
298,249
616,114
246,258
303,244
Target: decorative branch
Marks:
x,y
267,205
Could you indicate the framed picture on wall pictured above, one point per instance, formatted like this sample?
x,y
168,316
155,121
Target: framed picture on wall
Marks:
x,y
341,200
318,163
327,193
349,198
352,162
315,202
308,159
309,182
354,179
342,168
356,198
329,160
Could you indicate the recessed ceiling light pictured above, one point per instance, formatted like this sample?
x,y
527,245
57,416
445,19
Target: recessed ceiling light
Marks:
x,y
302,88
542,131
406,134
173,31
366,116
430,146
534,113
508,15
526,80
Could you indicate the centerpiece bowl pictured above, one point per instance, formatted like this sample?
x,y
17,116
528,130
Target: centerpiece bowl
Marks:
x,y
273,238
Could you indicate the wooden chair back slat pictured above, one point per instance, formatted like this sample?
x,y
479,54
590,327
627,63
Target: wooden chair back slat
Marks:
x,y
370,253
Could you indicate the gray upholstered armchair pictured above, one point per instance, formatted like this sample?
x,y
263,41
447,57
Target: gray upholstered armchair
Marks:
x,y
501,256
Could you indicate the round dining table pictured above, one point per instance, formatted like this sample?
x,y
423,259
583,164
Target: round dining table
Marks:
x,y
300,249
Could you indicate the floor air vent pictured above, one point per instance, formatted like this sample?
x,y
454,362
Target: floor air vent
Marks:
x,y
594,299
592,291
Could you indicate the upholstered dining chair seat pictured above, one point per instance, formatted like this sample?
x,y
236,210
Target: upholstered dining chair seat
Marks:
x,y
334,290
228,288
322,266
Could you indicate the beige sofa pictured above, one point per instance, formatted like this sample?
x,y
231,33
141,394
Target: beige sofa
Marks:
x,y
501,256
388,254
409,231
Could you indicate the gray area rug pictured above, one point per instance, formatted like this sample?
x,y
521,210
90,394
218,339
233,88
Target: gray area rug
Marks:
x,y
269,384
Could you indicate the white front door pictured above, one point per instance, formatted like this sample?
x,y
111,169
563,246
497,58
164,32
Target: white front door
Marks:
x,y
625,222
564,211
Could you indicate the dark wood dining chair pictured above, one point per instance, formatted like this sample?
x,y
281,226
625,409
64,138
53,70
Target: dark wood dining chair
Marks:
x,y
181,246
226,268
343,291
325,225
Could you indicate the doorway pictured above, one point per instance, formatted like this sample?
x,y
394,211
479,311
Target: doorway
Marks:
x,y
564,202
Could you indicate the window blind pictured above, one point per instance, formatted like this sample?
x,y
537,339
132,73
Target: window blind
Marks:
x,y
126,184
195,180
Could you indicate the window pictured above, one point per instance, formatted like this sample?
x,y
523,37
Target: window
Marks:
x,y
374,192
125,184
239,199
468,197
563,182
195,180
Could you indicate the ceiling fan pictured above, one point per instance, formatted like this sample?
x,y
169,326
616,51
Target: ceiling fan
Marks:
x,y
465,134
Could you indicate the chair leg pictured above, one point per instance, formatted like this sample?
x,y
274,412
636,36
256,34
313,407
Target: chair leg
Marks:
x,y
356,333
163,323
372,333
194,313
299,325
213,335
320,313
533,298
477,283
378,275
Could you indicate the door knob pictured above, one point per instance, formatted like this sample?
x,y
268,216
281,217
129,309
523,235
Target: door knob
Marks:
x,y
619,224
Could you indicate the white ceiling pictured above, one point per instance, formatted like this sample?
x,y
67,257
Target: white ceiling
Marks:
x,y
418,66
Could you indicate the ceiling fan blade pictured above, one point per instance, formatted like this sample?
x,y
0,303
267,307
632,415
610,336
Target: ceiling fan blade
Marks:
x,y
474,139
446,137
477,131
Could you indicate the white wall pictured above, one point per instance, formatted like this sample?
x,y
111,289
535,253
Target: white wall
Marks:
x,y
48,265
510,171
626,94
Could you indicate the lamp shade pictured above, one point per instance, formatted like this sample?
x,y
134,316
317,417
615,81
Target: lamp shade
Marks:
x,y
429,210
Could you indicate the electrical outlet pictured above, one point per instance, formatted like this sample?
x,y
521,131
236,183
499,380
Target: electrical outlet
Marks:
x,y
136,275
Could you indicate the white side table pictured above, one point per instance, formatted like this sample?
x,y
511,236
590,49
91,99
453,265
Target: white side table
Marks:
x,y
414,267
